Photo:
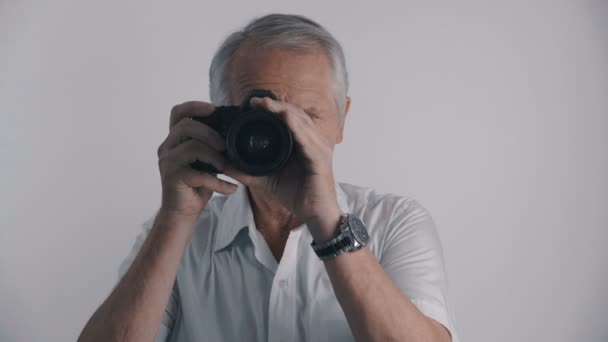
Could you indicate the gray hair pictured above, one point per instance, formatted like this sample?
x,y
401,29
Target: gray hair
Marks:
x,y
280,31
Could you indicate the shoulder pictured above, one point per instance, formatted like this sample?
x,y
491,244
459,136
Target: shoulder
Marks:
x,y
393,221
367,201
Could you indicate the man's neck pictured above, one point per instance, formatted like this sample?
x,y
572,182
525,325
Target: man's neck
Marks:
x,y
270,215
272,220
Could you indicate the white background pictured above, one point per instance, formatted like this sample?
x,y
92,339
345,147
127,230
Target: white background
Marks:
x,y
494,115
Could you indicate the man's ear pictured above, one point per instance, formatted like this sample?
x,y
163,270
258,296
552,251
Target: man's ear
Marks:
x,y
342,120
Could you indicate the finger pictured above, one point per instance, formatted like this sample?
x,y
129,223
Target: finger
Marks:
x,y
197,180
191,129
190,108
192,150
244,178
300,124
294,116
269,104
279,107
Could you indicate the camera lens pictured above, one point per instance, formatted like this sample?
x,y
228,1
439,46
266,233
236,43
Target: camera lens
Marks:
x,y
257,143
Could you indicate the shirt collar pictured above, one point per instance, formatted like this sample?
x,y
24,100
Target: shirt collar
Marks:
x,y
236,214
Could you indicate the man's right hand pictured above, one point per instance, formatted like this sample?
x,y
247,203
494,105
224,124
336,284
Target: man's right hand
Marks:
x,y
186,191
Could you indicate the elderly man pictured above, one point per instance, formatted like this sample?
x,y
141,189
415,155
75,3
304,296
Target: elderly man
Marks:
x,y
271,259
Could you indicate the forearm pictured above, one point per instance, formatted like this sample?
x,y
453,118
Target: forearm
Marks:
x,y
134,309
375,308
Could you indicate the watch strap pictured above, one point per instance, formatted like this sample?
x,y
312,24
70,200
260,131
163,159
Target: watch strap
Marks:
x,y
336,248
337,245
318,246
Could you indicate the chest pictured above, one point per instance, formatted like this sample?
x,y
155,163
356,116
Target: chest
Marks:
x,y
240,294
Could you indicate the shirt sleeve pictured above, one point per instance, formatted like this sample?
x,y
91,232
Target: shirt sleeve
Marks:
x,y
412,256
172,307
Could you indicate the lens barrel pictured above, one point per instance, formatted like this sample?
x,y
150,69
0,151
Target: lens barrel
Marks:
x,y
258,142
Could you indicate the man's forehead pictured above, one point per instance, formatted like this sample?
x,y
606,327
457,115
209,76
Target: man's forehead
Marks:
x,y
291,75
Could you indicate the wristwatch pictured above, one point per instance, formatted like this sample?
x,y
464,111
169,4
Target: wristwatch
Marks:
x,y
352,235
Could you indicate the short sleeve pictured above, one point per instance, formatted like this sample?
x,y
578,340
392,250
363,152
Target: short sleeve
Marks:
x,y
168,319
413,257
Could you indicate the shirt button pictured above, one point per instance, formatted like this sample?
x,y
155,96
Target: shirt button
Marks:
x,y
282,283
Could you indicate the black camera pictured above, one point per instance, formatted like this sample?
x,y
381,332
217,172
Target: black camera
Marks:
x,y
258,142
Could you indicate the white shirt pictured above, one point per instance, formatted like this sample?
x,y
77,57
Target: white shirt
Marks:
x,y
229,286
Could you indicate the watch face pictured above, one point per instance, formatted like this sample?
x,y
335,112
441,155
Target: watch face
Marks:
x,y
358,229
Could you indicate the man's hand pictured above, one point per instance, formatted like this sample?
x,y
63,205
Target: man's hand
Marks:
x,y
305,185
186,191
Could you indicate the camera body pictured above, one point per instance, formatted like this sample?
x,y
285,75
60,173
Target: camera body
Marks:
x,y
258,142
